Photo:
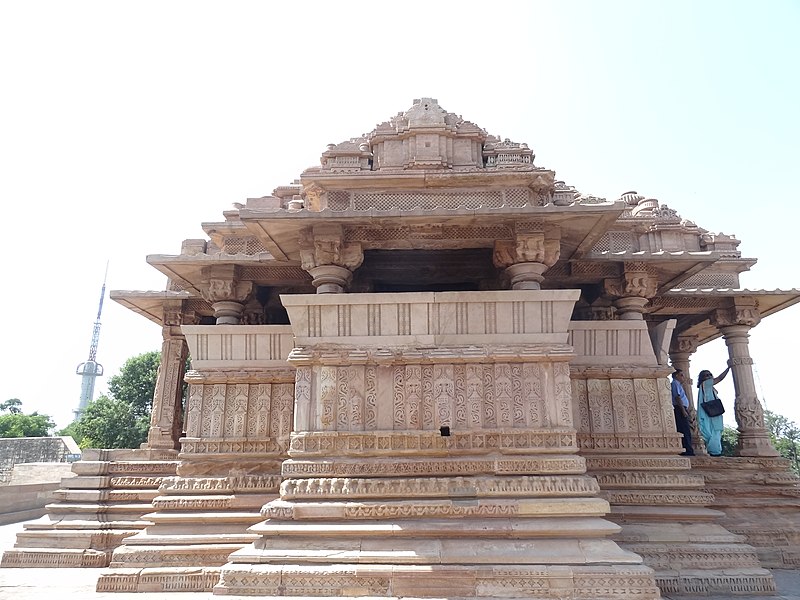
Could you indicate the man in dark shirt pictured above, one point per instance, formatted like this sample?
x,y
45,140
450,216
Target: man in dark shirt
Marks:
x,y
680,404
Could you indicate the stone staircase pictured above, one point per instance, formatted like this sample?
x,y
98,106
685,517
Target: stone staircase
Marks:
x,y
664,513
197,523
760,497
94,511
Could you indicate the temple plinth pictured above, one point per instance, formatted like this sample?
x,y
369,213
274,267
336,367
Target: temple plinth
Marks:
x,y
434,454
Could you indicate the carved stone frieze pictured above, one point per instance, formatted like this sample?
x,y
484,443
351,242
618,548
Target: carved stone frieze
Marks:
x,y
432,487
306,444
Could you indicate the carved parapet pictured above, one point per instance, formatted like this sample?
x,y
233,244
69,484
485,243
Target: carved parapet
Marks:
x,y
611,343
238,347
432,319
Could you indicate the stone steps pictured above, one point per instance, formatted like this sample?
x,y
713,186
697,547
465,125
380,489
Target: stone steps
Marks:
x,y
94,511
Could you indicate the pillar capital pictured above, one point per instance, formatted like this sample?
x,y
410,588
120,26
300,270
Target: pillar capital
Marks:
x,y
631,291
684,344
534,249
328,258
222,286
744,313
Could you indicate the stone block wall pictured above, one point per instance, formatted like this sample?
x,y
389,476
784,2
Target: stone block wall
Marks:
x,y
34,450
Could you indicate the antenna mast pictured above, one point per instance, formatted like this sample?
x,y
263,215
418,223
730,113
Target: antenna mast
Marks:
x,y
91,369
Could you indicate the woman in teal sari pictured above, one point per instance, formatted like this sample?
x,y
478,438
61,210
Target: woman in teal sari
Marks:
x,y
710,427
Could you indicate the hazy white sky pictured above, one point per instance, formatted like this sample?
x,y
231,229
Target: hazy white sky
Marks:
x,y
124,125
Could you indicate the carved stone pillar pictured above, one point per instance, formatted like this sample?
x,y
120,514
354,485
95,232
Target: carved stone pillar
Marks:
x,y
683,346
328,258
528,255
223,288
632,291
735,323
166,417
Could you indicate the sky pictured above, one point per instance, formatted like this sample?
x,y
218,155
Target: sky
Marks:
x,y
125,125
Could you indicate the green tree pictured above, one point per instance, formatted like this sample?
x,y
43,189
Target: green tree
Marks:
x,y
12,406
109,423
136,382
730,439
17,424
785,436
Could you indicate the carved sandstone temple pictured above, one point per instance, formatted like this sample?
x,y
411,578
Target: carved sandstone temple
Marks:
x,y
429,368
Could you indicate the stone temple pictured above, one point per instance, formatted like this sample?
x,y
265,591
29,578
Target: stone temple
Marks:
x,y
429,368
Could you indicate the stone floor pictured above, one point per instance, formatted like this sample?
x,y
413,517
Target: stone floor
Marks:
x,y
58,584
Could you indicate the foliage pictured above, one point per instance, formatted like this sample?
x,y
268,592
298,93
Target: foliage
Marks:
x,y
12,406
16,424
109,423
136,382
730,439
785,435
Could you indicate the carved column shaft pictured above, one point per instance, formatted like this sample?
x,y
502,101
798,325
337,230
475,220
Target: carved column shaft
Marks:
x,y
681,360
166,417
753,437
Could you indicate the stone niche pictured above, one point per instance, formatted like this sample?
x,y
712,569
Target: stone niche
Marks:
x,y
434,454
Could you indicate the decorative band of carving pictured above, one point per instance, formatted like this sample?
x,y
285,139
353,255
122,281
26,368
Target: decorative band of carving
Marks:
x,y
745,360
614,463
436,487
133,482
151,468
634,581
194,503
199,446
693,557
234,483
260,375
620,372
443,467
629,479
379,443
655,498
392,356
428,509
638,441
